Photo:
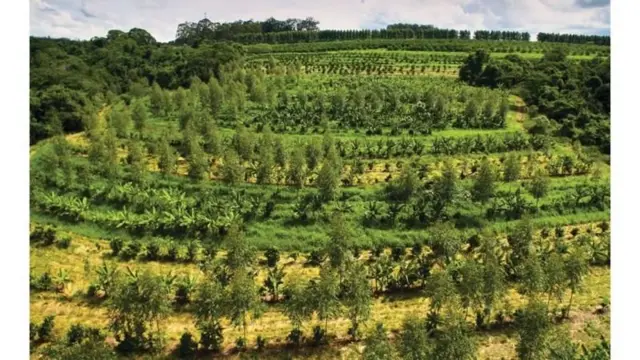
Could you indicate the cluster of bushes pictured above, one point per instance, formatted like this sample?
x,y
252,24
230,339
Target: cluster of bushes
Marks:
x,y
47,235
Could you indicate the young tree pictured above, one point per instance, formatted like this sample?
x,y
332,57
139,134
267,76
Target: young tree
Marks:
x,y
441,290
103,153
156,100
521,242
511,168
445,243
120,120
494,284
313,153
167,162
328,180
576,268
470,284
281,154
340,243
377,345
242,141
533,326
405,186
240,253
232,171
297,304
325,291
484,186
554,276
539,186
444,189
209,307
216,96
357,296
455,341
532,276
137,160
297,174
243,300
139,115
212,140
137,306
265,165
414,341
198,162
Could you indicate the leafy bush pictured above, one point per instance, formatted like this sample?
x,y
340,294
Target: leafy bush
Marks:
x,y
45,330
116,245
78,333
63,242
295,337
211,337
44,235
130,250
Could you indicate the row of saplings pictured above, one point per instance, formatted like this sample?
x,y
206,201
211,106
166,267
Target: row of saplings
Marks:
x,y
455,283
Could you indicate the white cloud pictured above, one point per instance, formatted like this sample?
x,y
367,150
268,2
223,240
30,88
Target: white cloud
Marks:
x,y
87,18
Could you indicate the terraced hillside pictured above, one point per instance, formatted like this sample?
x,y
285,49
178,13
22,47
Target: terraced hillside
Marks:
x,y
299,196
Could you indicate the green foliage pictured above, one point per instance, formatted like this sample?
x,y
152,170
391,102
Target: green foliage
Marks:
x,y
187,347
484,186
137,306
243,300
533,327
377,345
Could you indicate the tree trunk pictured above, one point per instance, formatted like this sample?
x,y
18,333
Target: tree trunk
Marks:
x,y
570,303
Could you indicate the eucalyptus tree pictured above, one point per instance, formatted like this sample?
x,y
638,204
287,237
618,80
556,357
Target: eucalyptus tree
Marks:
x,y
539,186
296,173
297,306
137,307
325,291
377,345
576,267
216,96
243,300
512,168
198,162
455,340
139,115
168,157
357,296
209,308
232,170
533,327
484,186
414,342
137,160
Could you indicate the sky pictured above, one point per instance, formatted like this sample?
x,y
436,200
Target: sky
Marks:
x,y
84,19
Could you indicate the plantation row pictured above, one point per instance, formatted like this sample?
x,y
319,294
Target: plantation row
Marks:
x,y
421,202
428,45
457,276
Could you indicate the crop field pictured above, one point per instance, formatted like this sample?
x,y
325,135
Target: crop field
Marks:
x,y
300,195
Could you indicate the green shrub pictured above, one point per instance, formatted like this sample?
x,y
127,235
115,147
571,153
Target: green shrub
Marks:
x,y
315,258
116,245
153,250
397,253
45,330
78,333
63,242
44,235
295,337
211,337
130,250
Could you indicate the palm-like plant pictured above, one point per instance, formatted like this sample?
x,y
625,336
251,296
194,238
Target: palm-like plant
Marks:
x,y
61,280
274,280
